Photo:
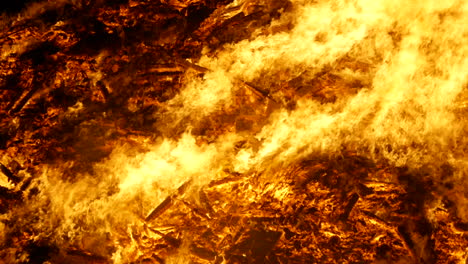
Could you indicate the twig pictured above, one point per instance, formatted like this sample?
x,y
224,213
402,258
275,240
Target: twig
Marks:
x,y
205,202
258,91
349,207
9,174
18,105
8,194
103,89
188,64
88,256
168,238
160,209
203,253
395,230
198,211
167,203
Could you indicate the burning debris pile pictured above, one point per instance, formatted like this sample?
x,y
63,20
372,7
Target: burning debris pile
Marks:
x,y
286,131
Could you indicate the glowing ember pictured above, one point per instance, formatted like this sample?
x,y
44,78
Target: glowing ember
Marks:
x,y
286,131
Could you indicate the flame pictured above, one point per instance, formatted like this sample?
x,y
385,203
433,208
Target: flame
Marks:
x,y
396,79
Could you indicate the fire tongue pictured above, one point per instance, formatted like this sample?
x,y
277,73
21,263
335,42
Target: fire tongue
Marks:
x,y
284,131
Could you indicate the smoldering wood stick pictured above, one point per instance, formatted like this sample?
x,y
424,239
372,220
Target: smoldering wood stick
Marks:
x,y
349,206
168,202
168,238
18,105
8,194
12,177
160,209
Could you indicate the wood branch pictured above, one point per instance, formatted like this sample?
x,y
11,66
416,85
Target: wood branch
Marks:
x,y
259,92
103,89
194,66
86,256
349,206
8,194
205,202
160,209
396,231
198,211
167,203
168,238
165,70
18,105
13,178
203,253
409,245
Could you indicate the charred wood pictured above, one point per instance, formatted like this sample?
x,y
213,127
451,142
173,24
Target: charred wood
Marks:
x,y
87,256
8,194
174,242
160,209
13,178
203,253
352,200
167,203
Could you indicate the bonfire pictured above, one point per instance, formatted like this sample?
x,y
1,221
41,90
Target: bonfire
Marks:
x,y
234,131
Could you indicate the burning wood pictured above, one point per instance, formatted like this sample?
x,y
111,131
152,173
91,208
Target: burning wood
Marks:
x,y
164,205
9,174
258,91
311,132
349,206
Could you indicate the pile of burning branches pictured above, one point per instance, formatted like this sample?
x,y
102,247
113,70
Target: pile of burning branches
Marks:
x,y
250,159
